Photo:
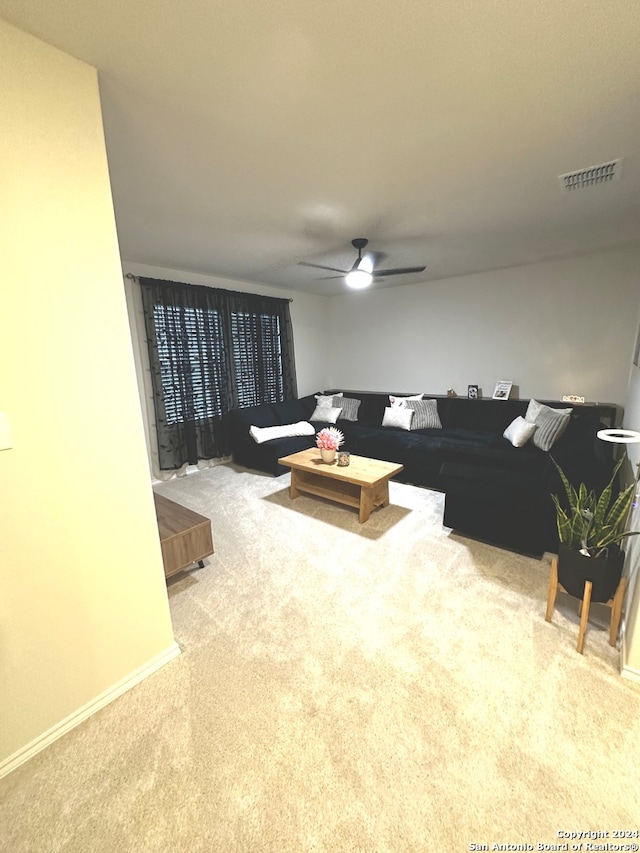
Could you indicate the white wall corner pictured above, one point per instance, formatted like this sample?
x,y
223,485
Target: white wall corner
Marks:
x,y
47,738
630,673
627,671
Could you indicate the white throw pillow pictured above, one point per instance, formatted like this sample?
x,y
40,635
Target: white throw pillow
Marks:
x,y
519,432
397,417
262,434
326,414
326,399
399,402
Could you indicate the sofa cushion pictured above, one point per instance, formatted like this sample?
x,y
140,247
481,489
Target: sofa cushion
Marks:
x,y
308,403
260,416
290,411
483,415
371,409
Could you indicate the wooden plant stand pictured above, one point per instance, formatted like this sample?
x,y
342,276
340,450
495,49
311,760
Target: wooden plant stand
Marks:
x,y
614,603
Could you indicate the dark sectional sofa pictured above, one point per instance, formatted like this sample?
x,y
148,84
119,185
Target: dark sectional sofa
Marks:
x,y
494,491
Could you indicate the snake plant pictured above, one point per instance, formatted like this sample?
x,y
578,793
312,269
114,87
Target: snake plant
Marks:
x,y
593,523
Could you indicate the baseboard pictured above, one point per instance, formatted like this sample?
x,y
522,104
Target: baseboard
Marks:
x,y
627,671
47,738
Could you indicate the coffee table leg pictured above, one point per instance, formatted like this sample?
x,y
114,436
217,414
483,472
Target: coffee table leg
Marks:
x,y
293,488
366,504
373,496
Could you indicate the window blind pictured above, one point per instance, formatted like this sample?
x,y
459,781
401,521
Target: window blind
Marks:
x,y
211,351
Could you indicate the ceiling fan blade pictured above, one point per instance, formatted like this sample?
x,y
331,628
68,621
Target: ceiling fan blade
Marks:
x,y
321,267
400,271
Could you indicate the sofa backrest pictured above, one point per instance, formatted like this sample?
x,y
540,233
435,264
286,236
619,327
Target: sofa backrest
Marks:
x,y
482,415
455,412
271,414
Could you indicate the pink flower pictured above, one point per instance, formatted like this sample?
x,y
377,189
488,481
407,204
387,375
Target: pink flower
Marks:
x,y
329,438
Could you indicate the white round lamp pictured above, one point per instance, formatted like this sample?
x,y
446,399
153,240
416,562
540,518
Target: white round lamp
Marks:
x,y
619,436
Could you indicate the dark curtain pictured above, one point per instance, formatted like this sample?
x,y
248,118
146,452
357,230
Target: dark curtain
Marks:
x,y
210,351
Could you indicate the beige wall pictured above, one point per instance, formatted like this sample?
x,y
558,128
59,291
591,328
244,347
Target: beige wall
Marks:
x,y
83,603
553,328
631,647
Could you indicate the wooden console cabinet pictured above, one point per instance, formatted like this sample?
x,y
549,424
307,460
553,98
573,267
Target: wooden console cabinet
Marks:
x,y
185,535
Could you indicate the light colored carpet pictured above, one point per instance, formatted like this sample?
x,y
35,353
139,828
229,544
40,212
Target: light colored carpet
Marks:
x,y
344,687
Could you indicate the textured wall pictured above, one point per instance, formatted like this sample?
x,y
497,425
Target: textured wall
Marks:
x,y
84,602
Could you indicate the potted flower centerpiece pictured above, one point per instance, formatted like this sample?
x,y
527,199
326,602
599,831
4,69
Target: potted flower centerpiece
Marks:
x,y
329,440
590,531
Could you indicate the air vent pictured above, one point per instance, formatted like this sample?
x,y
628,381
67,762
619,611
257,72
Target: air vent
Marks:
x,y
591,177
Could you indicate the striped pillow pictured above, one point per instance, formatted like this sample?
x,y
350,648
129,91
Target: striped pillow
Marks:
x,y
550,424
534,408
349,408
425,414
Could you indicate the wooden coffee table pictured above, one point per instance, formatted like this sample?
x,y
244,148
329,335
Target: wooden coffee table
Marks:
x,y
363,484
185,535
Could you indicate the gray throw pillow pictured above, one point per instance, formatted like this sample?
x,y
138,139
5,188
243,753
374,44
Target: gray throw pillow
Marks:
x,y
550,424
425,414
349,408
534,408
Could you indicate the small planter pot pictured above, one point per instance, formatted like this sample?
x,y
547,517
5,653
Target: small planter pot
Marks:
x,y
327,456
574,569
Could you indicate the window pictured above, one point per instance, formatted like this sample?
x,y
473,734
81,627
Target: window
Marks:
x,y
191,355
256,340
210,351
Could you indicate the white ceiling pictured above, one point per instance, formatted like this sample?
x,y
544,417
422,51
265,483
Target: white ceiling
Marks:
x,y
245,136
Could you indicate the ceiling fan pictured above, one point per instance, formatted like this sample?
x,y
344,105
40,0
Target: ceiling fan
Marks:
x,y
362,272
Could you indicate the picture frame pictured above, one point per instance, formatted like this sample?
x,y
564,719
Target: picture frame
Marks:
x,y
502,389
473,392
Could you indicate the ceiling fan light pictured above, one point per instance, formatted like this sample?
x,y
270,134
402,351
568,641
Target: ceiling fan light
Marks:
x,y
358,279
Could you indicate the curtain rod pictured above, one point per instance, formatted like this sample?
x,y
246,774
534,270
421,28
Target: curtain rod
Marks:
x,y
133,277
